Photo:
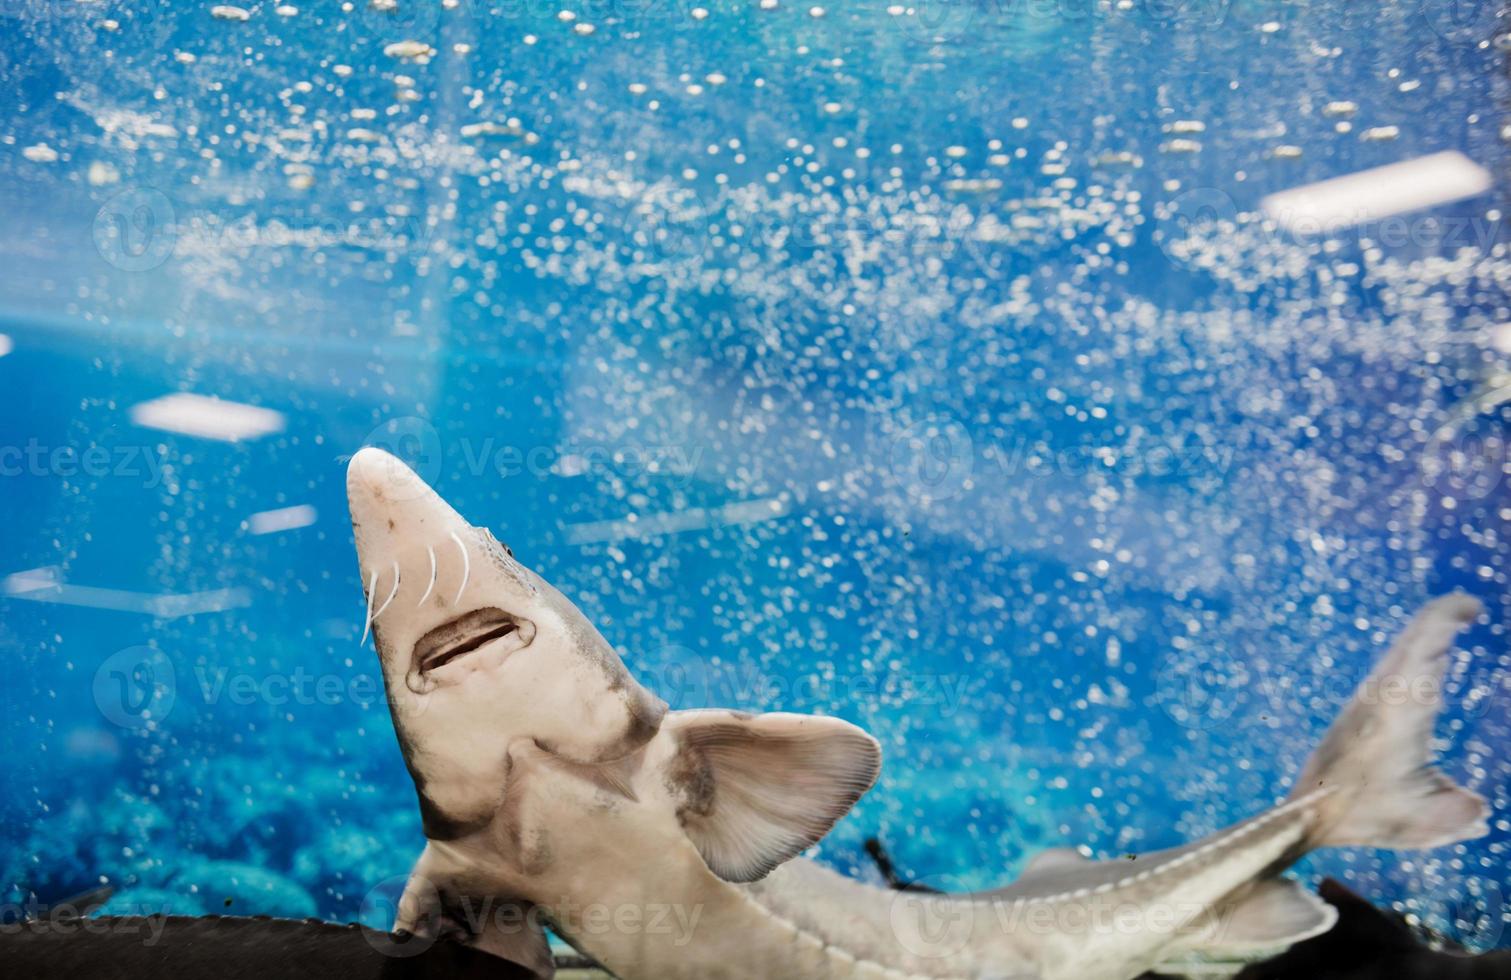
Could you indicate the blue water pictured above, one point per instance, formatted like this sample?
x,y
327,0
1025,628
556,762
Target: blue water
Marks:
x,y
901,365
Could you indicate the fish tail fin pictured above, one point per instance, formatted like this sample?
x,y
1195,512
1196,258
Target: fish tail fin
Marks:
x,y
1376,759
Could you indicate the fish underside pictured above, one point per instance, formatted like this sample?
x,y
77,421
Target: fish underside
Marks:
x,y
556,792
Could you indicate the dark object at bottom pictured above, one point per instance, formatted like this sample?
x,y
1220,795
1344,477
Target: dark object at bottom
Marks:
x,y
1368,944
888,871
232,948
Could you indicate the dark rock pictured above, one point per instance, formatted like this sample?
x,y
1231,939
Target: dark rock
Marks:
x,y
233,948
1369,944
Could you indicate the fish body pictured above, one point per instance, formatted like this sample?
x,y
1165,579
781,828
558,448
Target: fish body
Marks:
x,y
557,791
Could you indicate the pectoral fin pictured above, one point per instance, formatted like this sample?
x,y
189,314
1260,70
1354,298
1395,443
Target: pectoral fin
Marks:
x,y
1052,861
1272,914
754,791
438,904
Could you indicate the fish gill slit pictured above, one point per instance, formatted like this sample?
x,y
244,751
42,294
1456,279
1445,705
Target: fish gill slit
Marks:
x,y
430,586
367,622
391,593
466,568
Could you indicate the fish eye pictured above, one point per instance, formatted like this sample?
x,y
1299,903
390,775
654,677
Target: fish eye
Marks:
x,y
494,540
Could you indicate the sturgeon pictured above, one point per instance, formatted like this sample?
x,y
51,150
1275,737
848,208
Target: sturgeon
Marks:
x,y
555,791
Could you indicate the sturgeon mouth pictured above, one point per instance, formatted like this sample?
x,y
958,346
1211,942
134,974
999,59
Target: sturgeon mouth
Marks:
x,y
468,633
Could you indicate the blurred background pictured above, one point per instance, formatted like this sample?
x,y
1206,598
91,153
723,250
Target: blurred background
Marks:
x,y
963,369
